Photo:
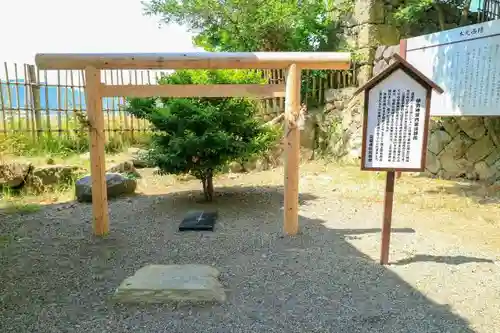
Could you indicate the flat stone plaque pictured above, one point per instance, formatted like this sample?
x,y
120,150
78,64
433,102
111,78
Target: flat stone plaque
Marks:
x,y
163,283
199,220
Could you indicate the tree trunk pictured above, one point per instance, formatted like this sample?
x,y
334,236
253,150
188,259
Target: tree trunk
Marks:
x,y
205,190
464,18
208,186
441,17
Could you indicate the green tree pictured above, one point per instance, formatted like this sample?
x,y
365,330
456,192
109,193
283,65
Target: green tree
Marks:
x,y
200,136
417,17
250,25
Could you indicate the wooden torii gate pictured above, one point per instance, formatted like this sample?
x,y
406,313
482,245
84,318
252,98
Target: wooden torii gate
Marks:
x,y
93,63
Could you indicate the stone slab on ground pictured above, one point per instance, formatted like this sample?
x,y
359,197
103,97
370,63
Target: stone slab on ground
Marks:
x,y
167,283
199,220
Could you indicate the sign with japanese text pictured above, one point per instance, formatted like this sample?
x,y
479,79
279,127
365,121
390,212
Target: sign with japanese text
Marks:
x,y
465,62
395,130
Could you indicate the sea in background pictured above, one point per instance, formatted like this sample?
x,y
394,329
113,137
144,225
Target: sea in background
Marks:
x,y
51,98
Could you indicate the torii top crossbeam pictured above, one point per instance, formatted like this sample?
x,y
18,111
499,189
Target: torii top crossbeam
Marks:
x,y
195,60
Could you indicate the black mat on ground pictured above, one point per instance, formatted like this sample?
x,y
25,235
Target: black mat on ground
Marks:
x,y
199,220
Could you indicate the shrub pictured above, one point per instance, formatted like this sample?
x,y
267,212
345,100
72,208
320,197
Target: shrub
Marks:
x,y
200,136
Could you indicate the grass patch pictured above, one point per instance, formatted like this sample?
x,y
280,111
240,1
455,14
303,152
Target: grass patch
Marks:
x,y
24,201
54,146
54,149
13,207
70,137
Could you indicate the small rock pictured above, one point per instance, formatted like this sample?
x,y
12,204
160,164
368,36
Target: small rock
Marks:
x,y
306,154
50,175
330,95
339,105
275,158
140,158
250,165
116,185
308,134
329,107
126,168
235,167
141,163
134,150
261,164
13,175
185,177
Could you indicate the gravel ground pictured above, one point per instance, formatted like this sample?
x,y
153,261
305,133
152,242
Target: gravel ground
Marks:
x,y
55,277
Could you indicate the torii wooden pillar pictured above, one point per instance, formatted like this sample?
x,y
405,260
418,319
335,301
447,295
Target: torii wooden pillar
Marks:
x,y
293,62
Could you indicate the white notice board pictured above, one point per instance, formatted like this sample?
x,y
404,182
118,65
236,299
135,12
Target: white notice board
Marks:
x,y
395,128
465,62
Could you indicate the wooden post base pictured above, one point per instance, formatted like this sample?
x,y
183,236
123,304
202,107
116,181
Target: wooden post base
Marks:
x,y
386,228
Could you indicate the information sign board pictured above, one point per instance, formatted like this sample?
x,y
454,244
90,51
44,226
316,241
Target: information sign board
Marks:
x,y
465,62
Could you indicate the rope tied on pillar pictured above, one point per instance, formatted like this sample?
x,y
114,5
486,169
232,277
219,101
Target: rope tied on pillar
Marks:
x,y
298,119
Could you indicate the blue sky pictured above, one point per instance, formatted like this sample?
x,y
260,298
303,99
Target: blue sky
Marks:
x,y
44,26
60,26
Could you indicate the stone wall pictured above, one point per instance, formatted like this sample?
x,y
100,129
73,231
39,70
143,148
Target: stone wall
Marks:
x,y
457,147
339,124
334,130
382,58
467,147
365,27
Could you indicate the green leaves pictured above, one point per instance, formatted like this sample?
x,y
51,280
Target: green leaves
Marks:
x,y
413,10
249,25
142,107
201,135
417,17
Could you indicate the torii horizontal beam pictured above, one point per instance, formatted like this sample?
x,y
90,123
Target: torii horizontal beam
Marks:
x,y
195,90
195,60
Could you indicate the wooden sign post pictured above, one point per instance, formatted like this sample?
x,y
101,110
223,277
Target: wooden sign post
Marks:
x,y
395,129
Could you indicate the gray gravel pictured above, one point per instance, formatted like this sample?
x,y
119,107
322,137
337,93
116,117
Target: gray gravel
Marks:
x,y
55,277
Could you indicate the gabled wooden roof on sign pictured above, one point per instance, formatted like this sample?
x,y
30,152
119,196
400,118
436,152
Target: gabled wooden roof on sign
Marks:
x,y
408,68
